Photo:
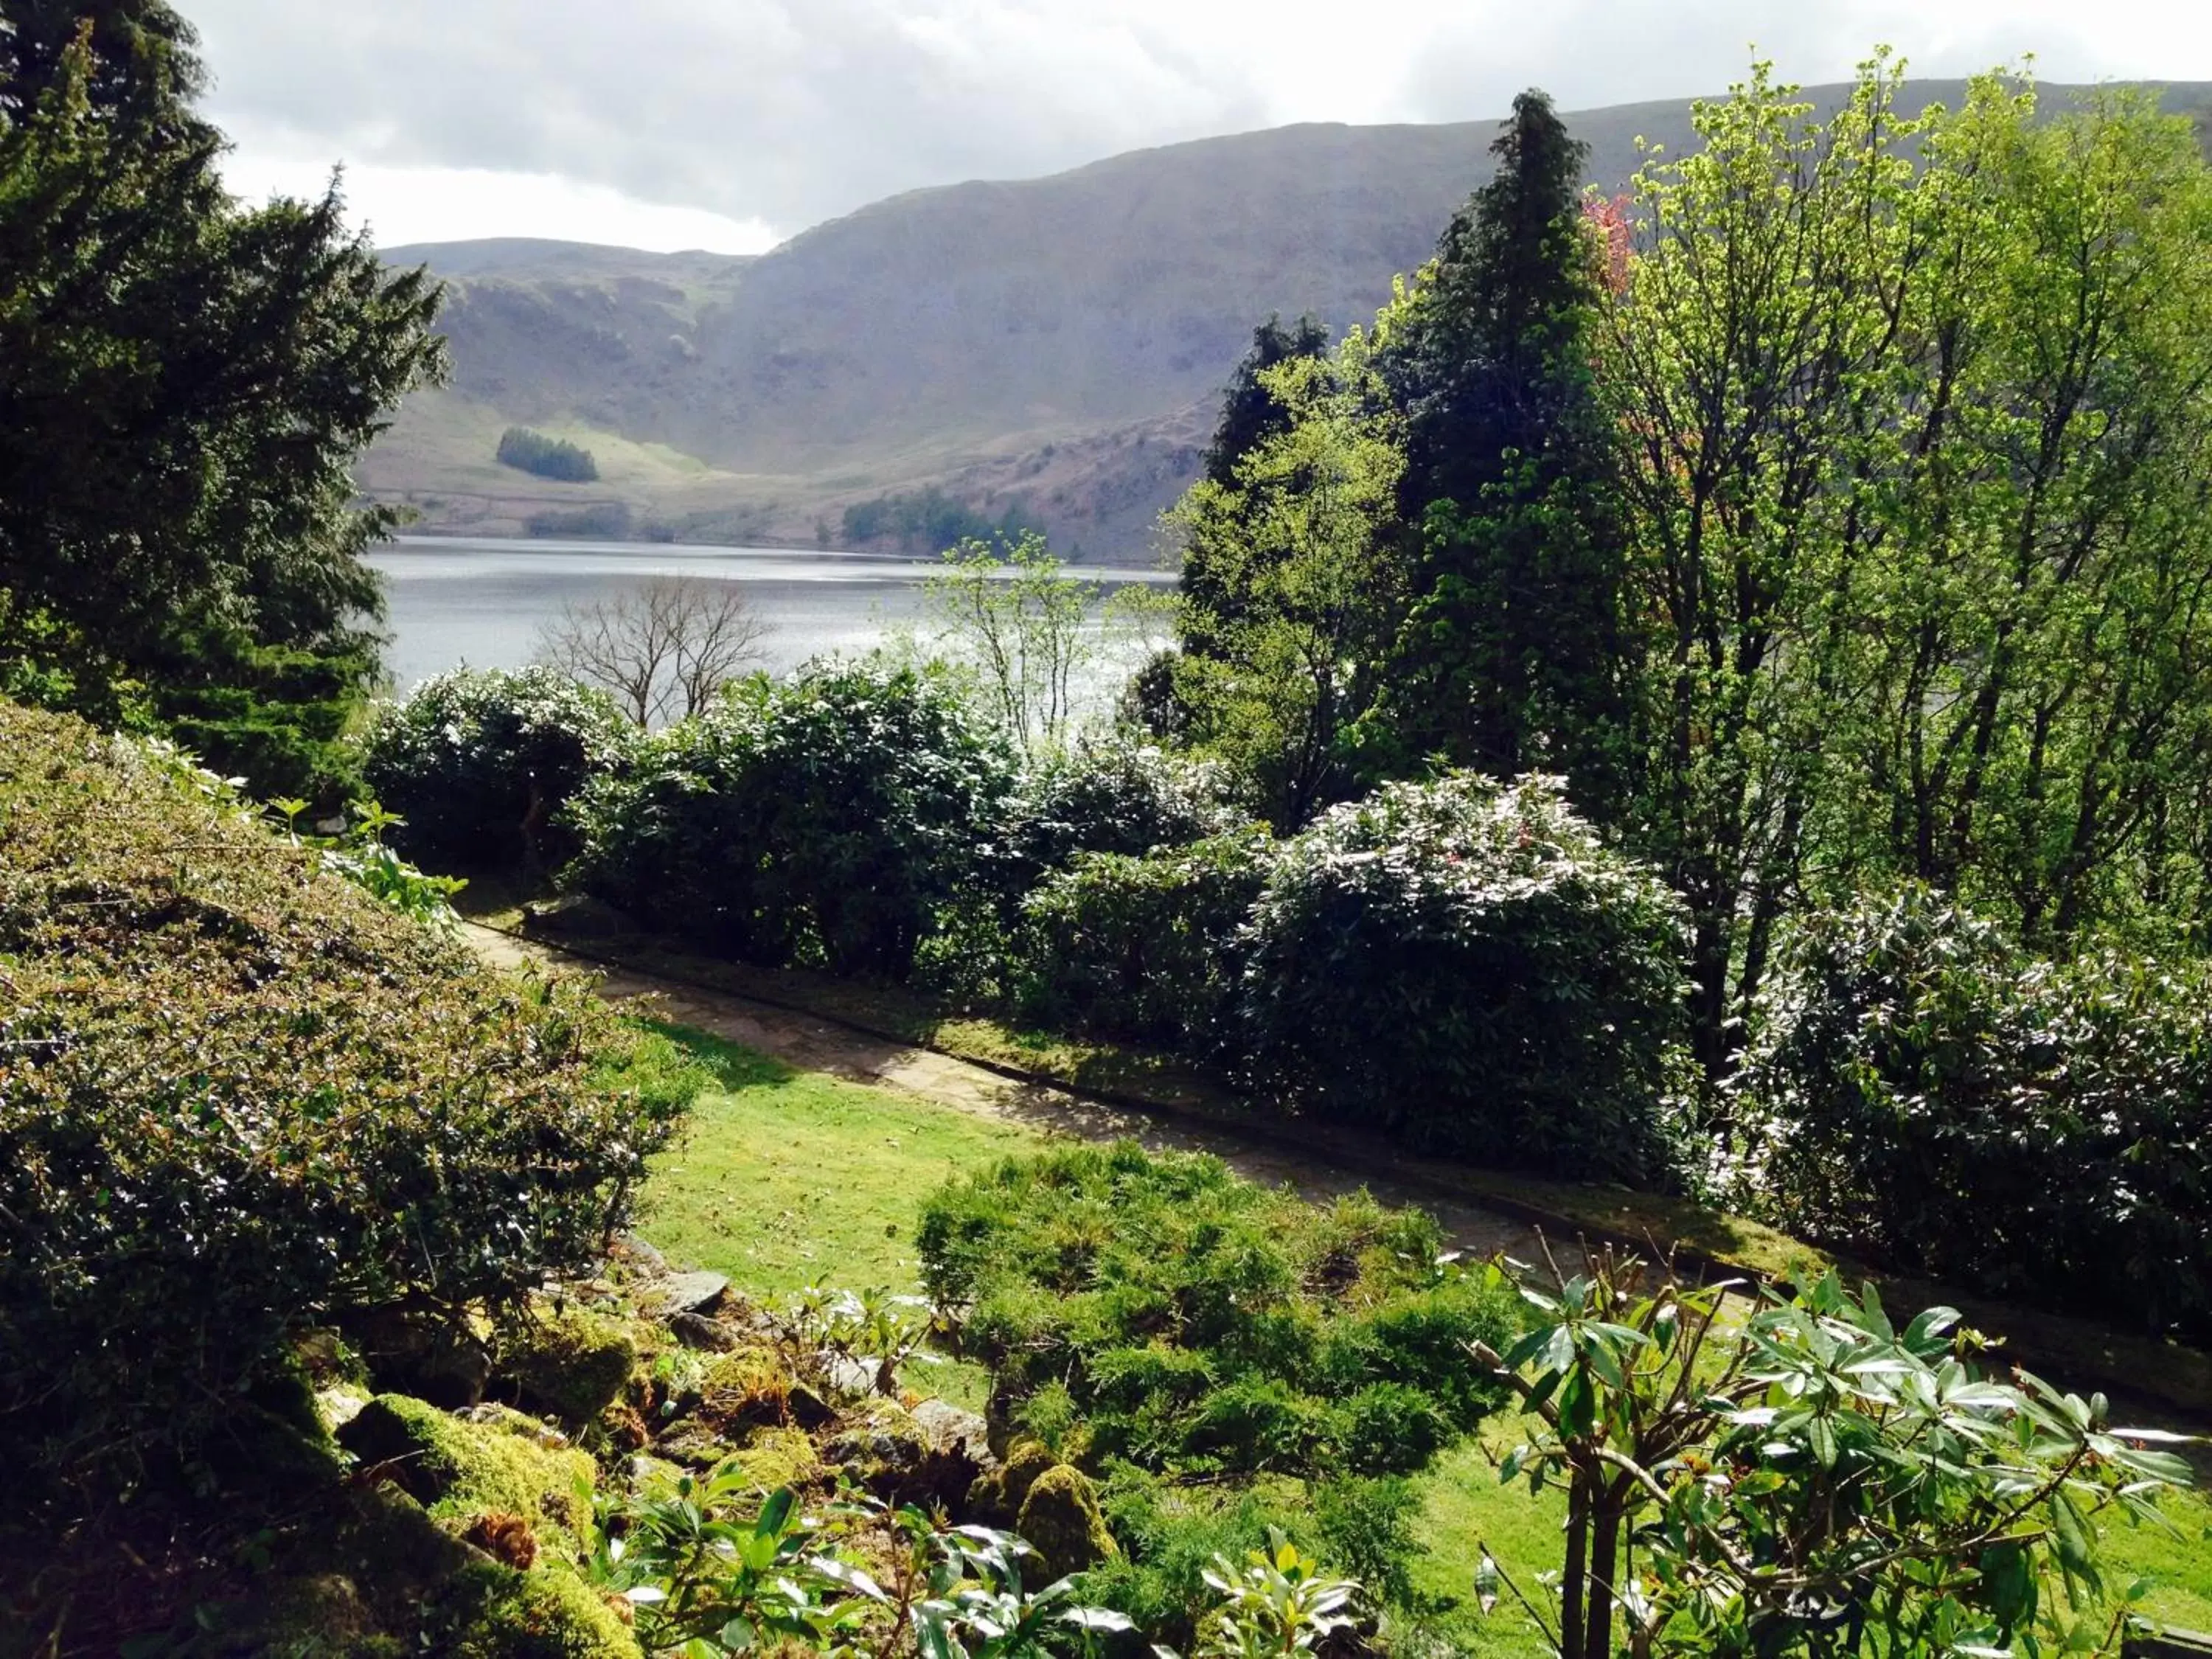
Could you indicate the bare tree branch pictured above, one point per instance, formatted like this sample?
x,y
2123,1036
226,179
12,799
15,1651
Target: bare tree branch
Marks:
x,y
661,650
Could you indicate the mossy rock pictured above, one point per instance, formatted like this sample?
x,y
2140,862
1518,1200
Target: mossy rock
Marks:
x,y
995,1499
569,1361
1060,1518
750,1386
776,1458
458,1469
548,1613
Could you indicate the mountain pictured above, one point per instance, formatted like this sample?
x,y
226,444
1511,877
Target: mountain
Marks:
x,y
1053,344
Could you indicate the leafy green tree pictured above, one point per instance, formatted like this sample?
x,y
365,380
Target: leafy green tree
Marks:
x,y
1021,623
1305,539
1914,484
1511,654
1252,412
183,384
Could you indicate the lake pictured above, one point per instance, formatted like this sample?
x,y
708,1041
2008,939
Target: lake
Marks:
x,y
457,601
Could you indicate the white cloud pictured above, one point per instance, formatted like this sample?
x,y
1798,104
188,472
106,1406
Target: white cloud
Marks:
x,y
400,205
578,119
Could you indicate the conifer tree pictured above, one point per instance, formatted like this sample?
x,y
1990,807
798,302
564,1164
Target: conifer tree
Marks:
x,y
184,384
1510,657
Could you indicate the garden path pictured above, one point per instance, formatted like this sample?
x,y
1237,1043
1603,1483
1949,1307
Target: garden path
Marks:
x,y
814,1044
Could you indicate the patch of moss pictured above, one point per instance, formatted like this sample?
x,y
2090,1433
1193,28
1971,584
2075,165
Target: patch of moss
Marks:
x,y
569,1360
1060,1518
777,1458
459,1470
751,1385
548,1613
996,1499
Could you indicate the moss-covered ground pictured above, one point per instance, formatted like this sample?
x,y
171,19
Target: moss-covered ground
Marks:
x,y
786,1178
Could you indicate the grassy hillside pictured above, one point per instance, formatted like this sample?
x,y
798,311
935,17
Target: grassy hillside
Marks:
x,y
1059,342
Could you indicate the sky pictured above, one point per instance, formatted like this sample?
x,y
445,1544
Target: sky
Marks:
x,y
731,125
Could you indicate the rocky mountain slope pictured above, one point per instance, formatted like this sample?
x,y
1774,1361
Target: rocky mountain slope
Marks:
x,y
1056,344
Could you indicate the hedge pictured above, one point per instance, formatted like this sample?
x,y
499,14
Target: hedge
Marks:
x,y
239,1096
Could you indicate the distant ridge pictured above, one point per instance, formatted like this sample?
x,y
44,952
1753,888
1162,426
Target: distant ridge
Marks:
x,y
1057,343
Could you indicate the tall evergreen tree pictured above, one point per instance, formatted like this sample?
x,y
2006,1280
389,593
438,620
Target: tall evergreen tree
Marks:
x,y
1509,658
184,384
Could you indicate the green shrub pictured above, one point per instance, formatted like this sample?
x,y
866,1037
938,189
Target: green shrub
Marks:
x,y
824,820
1463,965
1109,795
238,1097
1919,1092
481,764
1143,948
1181,1319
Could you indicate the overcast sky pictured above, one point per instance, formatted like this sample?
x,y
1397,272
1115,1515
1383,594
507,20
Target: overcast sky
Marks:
x,y
732,124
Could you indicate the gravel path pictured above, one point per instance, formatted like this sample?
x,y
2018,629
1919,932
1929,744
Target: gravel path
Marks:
x,y
818,1045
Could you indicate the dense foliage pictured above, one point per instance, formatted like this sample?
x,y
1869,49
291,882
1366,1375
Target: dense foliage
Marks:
x,y
546,457
1161,1311
184,383
1141,947
824,819
1529,979
480,764
1108,793
1829,510
1921,1092
239,1096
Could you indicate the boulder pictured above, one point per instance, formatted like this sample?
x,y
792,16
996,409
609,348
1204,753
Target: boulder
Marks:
x,y
547,1613
458,1469
697,1331
996,1499
689,1293
432,1356
1060,1519
567,1360
954,1432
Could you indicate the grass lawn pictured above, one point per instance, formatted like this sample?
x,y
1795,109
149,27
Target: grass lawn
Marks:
x,y
787,1178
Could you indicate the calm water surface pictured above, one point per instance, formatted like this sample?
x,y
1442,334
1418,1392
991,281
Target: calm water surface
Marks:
x,y
456,601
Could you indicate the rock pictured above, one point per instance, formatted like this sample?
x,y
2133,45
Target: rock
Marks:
x,y
642,1260
694,1293
750,1386
544,1436
1060,1519
458,1469
574,915
808,1409
952,1431
697,1331
776,1458
437,1359
844,1375
996,1499
339,1404
891,1453
568,1361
